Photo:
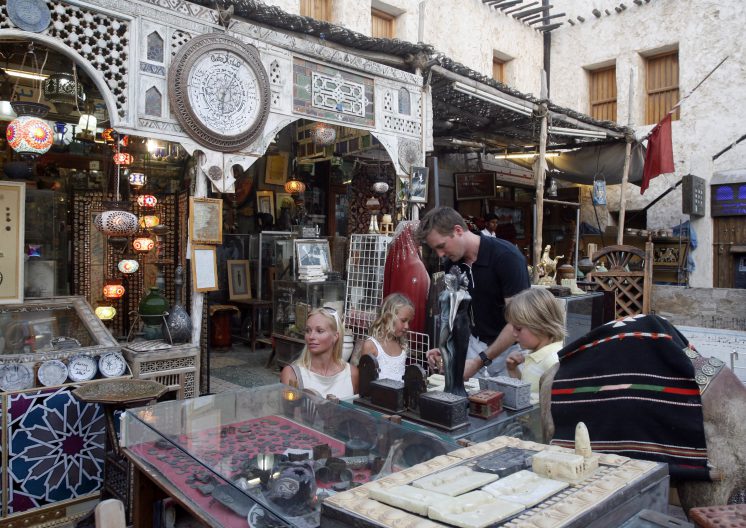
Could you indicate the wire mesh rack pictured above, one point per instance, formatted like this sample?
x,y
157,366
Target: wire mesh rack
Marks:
x,y
419,344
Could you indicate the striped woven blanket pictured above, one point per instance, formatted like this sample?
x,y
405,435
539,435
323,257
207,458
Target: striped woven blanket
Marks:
x,y
633,386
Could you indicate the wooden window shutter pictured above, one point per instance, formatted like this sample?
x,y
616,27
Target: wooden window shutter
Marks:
x,y
381,24
498,69
318,9
662,86
603,94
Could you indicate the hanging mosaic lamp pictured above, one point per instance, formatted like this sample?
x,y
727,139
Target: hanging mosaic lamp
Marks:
x,y
116,222
108,135
128,266
105,313
64,91
28,134
113,289
149,221
143,244
137,179
147,200
323,134
123,158
295,186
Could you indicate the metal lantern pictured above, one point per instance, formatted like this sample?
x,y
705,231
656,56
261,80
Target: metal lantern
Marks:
x,y
323,134
113,289
128,266
143,244
137,179
108,136
105,313
29,136
149,221
116,223
64,91
147,200
295,186
123,158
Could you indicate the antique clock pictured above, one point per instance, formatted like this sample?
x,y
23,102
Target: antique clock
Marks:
x,y
219,92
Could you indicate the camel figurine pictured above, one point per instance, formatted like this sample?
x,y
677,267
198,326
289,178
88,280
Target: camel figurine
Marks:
x,y
548,268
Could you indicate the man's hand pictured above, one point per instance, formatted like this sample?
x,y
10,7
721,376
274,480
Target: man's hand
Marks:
x,y
434,359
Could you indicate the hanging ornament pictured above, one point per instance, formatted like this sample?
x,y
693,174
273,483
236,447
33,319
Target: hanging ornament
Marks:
x,y
147,200
295,186
123,158
116,223
29,135
137,179
128,266
113,289
143,244
105,313
64,91
108,135
599,190
149,221
323,134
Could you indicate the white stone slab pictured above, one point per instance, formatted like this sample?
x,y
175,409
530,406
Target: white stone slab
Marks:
x,y
455,481
409,498
473,510
524,487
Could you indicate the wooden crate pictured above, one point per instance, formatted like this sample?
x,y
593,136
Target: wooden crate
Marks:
x,y
177,368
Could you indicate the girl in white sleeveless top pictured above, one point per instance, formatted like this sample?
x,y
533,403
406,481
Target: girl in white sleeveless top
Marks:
x,y
388,336
320,366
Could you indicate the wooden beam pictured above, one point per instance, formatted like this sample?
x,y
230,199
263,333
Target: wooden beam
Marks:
x,y
539,9
504,5
550,27
520,8
546,18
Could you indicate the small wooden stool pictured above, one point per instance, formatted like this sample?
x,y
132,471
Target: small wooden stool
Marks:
x,y
727,516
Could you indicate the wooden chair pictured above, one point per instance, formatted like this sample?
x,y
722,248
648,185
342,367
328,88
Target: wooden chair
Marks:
x,y
629,276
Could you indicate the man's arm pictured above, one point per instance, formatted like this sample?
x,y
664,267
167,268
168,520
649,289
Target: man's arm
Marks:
x,y
504,340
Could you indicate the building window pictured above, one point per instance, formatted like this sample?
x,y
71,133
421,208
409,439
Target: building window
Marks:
x,y
405,103
662,86
602,84
155,47
498,69
153,102
318,9
381,24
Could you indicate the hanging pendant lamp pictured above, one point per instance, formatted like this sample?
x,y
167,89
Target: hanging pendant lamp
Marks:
x,y
29,135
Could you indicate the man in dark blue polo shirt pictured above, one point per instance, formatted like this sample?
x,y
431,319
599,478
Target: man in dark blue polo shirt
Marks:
x,y
496,270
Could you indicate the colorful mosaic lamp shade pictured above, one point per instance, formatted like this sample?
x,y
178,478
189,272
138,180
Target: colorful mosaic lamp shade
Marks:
x,y
108,136
323,134
143,244
29,136
105,313
128,266
113,289
137,179
123,158
149,221
116,223
147,200
295,187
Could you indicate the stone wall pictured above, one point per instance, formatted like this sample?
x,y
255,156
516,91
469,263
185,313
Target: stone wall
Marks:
x,y
709,307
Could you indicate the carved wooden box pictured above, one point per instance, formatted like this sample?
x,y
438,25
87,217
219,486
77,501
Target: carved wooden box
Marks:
x,y
444,408
388,393
486,403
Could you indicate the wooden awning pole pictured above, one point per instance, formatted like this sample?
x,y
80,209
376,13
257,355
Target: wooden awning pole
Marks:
x,y
539,173
622,199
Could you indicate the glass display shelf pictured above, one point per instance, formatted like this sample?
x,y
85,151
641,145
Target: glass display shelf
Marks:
x,y
293,300
270,454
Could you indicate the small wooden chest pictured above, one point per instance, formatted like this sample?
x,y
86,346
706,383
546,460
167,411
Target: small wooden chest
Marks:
x,y
444,408
486,403
388,393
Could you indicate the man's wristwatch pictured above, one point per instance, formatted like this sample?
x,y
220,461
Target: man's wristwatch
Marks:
x,y
486,361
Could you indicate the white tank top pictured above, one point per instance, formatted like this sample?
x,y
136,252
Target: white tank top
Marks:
x,y
391,367
340,384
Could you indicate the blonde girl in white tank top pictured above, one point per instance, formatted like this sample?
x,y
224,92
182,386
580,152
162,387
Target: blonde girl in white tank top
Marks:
x,y
388,336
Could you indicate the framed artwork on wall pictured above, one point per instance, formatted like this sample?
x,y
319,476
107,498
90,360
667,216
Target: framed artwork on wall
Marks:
x,y
13,200
418,185
204,268
206,220
239,280
265,203
276,170
474,185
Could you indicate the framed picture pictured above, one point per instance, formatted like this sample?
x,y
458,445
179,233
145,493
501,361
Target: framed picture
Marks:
x,y
312,252
239,280
474,185
418,185
265,203
206,220
204,268
13,201
276,171
284,200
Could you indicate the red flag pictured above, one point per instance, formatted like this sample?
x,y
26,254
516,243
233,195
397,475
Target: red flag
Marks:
x,y
659,157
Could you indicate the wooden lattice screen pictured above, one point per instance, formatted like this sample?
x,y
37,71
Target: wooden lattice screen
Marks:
x,y
629,276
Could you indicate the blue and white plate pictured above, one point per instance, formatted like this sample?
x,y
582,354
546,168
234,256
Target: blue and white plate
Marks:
x,y
29,15
52,373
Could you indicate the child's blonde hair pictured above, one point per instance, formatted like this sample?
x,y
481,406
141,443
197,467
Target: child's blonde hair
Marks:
x,y
383,326
335,323
537,310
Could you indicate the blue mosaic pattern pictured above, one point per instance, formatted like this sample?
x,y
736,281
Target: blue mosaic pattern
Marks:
x,y
346,92
55,448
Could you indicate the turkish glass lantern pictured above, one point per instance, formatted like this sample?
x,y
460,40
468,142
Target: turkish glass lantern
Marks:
x,y
137,179
116,223
323,134
143,244
105,313
123,158
148,221
128,266
147,200
64,91
29,136
108,136
113,289
295,187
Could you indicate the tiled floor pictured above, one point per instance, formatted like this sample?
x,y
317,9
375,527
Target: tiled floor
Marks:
x,y
239,368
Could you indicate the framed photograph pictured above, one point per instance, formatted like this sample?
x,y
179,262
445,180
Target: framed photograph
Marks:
x,y
474,185
265,203
206,220
239,280
283,199
418,185
276,171
312,252
204,268
13,200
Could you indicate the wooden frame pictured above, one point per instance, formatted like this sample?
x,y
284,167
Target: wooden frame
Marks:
x,y
239,280
12,242
204,268
418,185
474,185
276,169
206,220
265,203
312,252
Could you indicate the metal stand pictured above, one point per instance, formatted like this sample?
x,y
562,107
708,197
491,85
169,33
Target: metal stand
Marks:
x,y
138,318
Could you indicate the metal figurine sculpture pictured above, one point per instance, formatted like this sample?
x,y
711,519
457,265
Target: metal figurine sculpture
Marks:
x,y
455,328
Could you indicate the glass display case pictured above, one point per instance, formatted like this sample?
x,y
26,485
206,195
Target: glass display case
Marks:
x,y
294,299
262,256
583,313
268,456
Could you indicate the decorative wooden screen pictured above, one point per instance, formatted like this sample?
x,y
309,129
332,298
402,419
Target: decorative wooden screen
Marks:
x,y
318,9
381,24
602,84
629,276
662,86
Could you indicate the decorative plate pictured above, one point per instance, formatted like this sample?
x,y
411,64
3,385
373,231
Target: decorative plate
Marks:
x,y
52,372
82,368
29,15
15,376
112,364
